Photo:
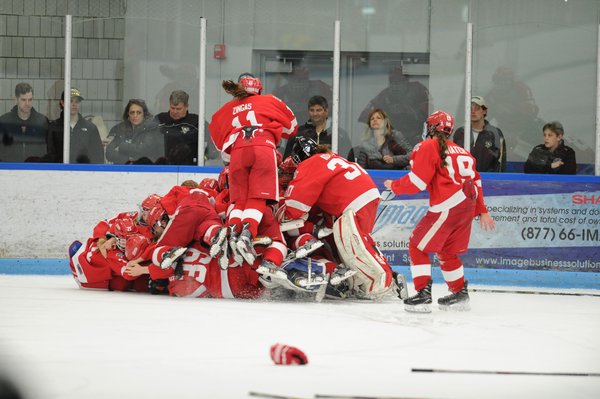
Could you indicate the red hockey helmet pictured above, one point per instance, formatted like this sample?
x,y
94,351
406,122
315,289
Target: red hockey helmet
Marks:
x,y
135,246
224,178
123,228
157,217
440,121
150,201
146,205
251,85
209,183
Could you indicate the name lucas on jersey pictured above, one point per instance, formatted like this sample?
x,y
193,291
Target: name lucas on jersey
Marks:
x,y
242,107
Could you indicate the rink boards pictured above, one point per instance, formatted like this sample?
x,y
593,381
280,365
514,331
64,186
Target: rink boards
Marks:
x,y
547,235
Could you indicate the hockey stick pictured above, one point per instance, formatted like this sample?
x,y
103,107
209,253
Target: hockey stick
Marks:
x,y
362,397
271,396
541,373
386,197
493,291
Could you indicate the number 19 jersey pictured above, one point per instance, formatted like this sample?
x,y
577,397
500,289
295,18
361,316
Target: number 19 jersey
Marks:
x,y
444,183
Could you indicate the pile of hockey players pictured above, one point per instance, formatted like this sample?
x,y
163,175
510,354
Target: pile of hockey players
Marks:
x,y
181,244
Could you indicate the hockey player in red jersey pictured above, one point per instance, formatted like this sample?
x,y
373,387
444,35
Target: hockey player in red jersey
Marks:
x,y
448,172
101,262
247,131
343,190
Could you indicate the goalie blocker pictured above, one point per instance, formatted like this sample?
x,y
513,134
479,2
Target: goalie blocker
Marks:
x,y
359,252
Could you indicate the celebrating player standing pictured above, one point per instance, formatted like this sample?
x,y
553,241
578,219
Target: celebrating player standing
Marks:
x,y
247,131
448,172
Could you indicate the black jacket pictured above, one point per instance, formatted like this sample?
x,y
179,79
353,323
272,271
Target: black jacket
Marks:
x,y
130,143
86,144
540,159
308,130
180,138
489,150
22,140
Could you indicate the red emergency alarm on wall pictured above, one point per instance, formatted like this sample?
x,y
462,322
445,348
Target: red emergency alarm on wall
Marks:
x,y
219,51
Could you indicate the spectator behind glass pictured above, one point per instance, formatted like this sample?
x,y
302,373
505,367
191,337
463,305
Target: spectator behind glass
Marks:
x,y
382,147
407,104
515,110
86,144
299,89
316,126
180,131
136,137
487,141
23,129
552,157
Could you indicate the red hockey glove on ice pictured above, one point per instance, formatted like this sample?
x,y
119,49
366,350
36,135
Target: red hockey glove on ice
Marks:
x,y
287,355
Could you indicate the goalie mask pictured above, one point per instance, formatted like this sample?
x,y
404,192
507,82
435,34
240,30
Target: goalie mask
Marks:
x,y
440,121
303,149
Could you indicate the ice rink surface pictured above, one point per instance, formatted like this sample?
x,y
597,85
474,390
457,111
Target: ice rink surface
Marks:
x,y
58,341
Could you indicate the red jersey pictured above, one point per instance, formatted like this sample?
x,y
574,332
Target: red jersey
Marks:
x,y
107,225
273,118
90,266
330,182
444,183
202,277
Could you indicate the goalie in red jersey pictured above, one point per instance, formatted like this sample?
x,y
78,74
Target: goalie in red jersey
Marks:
x,y
448,172
348,196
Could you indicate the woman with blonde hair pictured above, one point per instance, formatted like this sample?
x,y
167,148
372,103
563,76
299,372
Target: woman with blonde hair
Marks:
x,y
382,147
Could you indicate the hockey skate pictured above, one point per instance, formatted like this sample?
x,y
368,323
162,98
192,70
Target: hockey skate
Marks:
x,y
340,291
421,302
263,240
233,237
322,232
305,250
340,274
271,270
298,284
305,280
224,258
244,244
171,256
458,301
401,289
216,243
288,225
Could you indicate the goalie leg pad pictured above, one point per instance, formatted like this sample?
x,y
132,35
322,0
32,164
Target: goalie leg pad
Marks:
x,y
359,253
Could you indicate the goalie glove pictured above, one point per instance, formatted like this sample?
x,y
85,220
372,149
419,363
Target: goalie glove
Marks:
x,y
287,355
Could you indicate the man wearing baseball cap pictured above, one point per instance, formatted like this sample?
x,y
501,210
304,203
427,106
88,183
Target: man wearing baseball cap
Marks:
x,y
487,141
86,144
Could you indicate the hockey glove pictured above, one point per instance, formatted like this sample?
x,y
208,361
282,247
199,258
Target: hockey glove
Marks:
x,y
287,355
